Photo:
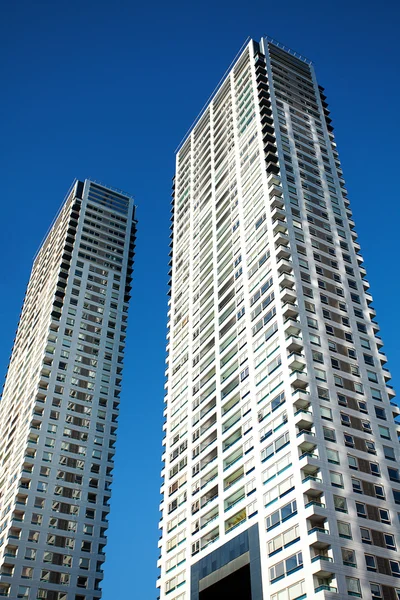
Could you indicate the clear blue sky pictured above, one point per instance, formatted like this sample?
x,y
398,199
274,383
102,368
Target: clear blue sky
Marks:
x,y
107,90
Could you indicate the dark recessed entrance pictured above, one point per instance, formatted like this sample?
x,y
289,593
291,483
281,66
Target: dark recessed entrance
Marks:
x,y
231,572
236,586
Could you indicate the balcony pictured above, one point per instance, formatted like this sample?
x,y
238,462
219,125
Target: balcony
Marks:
x,y
280,228
321,565
210,476
299,379
303,419
277,202
281,237
301,399
275,190
294,343
285,265
209,538
209,517
395,409
278,215
234,478
315,514
292,328
209,496
208,459
318,538
283,252
232,439
290,310
296,361
233,458
286,280
234,499
386,374
310,486
325,588
273,180
390,391
288,296
368,298
236,520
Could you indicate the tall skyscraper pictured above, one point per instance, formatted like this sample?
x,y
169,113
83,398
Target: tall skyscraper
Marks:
x,y
59,409
281,477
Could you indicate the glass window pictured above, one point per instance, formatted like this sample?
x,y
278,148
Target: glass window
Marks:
x,y
370,562
344,530
336,479
349,557
353,586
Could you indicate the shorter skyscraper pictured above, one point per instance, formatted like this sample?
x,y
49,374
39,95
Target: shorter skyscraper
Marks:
x,y
60,404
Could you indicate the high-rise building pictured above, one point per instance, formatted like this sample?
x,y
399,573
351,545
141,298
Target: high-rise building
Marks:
x,y
59,408
281,476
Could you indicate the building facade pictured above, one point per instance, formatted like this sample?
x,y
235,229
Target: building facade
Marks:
x,y
281,472
59,408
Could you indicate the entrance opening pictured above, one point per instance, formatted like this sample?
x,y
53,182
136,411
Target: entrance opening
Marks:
x,y
236,586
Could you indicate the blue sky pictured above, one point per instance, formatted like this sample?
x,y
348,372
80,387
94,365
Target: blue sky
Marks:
x,y
107,90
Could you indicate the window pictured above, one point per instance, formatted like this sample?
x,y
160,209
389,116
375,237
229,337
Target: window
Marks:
x,y
369,360
338,380
389,453
286,567
340,504
365,535
389,541
318,356
353,586
394,474
370,562
326,413
323,393
315,339
344,530
349,557
366,425
348,440
329,434
332,456
376,591
374,467
376,394
362,406
380,492
336,479
370,446
353,462
281,515
313,323
361,510
384,515
395,568
345,419
356,483
384,432
380,413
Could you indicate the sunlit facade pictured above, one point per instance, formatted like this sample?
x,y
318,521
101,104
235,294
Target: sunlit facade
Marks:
x,y
281,464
